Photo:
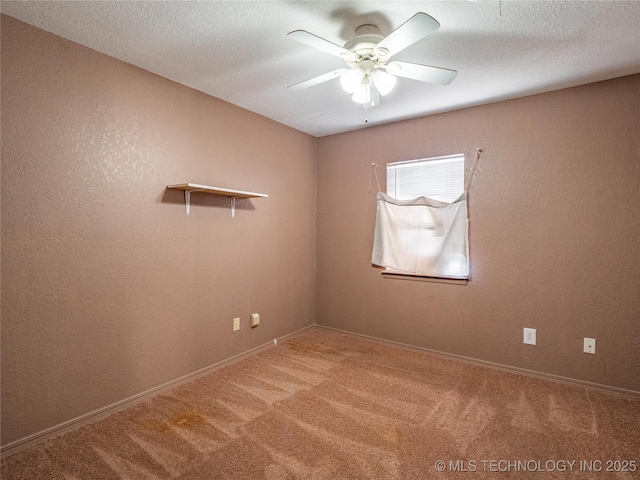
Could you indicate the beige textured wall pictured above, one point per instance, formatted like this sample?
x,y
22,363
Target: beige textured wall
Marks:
x,y
108,287
554,228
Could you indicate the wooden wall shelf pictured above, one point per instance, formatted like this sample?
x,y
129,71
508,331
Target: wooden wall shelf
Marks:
x,y
227,192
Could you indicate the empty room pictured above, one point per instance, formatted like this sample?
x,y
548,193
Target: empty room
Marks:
x,y
320,239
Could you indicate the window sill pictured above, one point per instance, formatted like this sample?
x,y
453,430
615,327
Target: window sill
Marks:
x,y
420,278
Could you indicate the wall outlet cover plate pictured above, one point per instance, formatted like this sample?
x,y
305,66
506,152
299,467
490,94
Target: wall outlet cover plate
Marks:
x,y
529,336
589,345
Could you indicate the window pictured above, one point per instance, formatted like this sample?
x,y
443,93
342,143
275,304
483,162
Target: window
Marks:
x,y
421,223
440,178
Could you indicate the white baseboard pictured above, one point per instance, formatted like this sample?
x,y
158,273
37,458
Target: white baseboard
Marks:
x,y
24,442
498,366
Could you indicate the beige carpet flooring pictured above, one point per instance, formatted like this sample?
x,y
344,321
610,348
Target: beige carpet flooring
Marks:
x,y
323,405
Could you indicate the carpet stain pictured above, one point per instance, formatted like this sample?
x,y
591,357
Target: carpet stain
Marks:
x,y
366,350
188,420
304,348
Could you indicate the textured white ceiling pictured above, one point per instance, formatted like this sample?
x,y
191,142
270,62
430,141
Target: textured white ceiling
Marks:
x,y
238,50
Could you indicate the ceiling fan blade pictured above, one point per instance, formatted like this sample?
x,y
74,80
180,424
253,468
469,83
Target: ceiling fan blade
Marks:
x,y
319,79
414,29
424,73
312,40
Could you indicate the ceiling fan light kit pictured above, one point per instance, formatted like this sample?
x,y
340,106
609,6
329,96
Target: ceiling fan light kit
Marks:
x,y
383,81
350,80
368,75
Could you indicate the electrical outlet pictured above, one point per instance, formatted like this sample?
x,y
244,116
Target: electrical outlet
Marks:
x,y
255,320
589,345
236,324
530,336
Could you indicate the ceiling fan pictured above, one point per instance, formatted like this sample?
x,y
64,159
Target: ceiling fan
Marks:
x,y
370,73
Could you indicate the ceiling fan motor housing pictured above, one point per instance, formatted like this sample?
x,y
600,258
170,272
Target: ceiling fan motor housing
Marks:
x,y
363,46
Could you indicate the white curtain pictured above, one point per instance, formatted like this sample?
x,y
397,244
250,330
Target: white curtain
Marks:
x,y
422,236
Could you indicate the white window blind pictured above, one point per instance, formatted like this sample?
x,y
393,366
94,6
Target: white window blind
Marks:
x,y
440,178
